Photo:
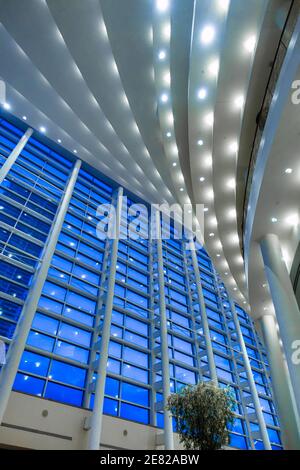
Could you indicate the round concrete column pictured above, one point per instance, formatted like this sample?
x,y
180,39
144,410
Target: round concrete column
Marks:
x,y
285,304
281,384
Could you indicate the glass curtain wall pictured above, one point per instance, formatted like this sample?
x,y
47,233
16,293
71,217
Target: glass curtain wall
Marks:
x,y
57,356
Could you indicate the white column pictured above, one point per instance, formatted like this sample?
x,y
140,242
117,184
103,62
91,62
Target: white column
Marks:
x,y
168,427
95,425
8,372
209,349
285,304
253,390
281,385
12,157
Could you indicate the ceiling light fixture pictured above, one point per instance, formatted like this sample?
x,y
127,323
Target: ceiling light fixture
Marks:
x,y
239,102
200,142
202,93
288,171
43,129
59,141
162,55
213,68
168,134
24,118
233,146
164,98
207,34
250,43
274,220
202,179
231,183
6,106
162,5
209,119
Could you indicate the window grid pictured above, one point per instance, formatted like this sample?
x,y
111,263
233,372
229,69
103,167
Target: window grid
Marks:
x,y
55,364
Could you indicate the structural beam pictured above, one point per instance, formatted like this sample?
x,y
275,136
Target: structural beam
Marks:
x,y
17,346
12,157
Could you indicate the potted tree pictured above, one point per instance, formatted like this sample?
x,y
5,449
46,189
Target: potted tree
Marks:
x,y
203,414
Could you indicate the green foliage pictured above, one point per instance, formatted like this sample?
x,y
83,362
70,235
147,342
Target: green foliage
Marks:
x,y
203,414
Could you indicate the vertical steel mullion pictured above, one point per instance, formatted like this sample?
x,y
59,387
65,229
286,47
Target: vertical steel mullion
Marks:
x,y
95,428
17,346
239,385
247,365
168,427
153,420
196,343
97,323
205,325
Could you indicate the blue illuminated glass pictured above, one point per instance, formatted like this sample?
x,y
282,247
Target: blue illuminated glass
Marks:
x,y
135,394
134,413
27,384
34,363
110,406
64,394
66,373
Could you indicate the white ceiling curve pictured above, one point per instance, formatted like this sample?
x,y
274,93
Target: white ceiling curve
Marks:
x,y
150,92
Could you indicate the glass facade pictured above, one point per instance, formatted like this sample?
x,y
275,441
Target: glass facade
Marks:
x,y
56,362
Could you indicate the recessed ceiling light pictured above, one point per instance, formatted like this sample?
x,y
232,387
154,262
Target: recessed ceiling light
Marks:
x,y
164,98
174,164
43,129
168,134
233,146
274,220
213,68
6,106
239,101
231,183
235,288
207,34
59,141
288,171
209,119
167,78
75,151
211,234
162,5
226,274
223,5
218,255
205,209
292,220
181,189
202,93
200,142
250,43
162,55
24,118
202,179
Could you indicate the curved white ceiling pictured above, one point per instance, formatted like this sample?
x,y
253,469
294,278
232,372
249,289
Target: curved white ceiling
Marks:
x,y
150,92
